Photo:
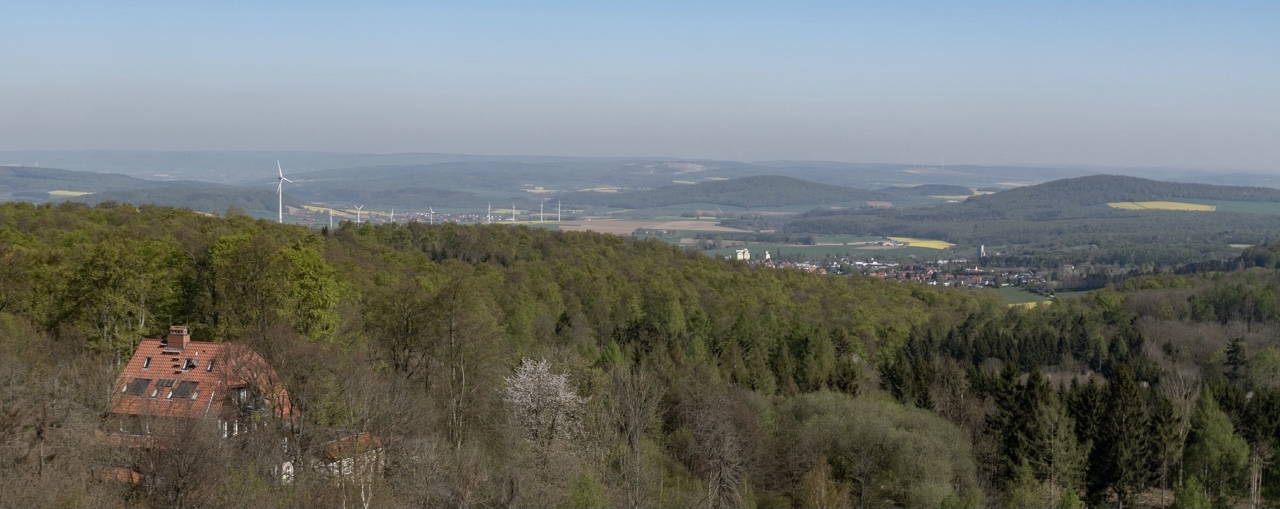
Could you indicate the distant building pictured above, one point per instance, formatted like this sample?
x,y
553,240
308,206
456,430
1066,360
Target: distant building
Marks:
x,y
174,382
743,254
982,251
176,378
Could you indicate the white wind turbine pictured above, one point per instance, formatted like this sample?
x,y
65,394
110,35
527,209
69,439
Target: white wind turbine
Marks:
x,y
431,217
280,192
358,208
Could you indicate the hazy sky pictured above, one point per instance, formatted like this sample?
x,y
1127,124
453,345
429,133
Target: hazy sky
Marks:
x,y
1191,84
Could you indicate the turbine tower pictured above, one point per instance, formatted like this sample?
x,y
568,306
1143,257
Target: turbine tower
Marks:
x,y
540,205
489,215
358,207
393,216
431,216
280,192
513,212
557,211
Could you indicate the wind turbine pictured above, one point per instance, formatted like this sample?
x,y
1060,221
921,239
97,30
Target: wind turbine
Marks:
x,y
358,207
489,215
513,212
431,217
393,216
540,205
557,211
280,191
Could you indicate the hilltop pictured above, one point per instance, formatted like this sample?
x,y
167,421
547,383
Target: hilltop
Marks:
x,y
1078,219
746,192
22,183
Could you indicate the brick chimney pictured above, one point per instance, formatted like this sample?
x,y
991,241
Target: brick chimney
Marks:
x,y
178,337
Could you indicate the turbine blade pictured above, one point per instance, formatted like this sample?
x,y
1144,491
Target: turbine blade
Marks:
x,y
279,168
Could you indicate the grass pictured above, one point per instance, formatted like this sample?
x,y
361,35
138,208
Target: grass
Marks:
x,y
1162,205
60,192
1018,296
925,243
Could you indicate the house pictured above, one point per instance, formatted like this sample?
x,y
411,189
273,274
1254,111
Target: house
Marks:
x,y
176,378
359,456
742,254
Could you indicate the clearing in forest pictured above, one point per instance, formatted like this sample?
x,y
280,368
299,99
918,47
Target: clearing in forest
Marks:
x,y
931,244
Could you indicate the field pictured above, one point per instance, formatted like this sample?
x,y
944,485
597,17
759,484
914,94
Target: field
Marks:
x,y
1017,296
1162,205
925,243
621,227
67,193
1241,246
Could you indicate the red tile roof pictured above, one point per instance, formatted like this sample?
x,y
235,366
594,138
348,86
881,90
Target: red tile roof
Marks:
x,y
353,445
172,382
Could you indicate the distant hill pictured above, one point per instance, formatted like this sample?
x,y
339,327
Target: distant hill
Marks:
x,y
22,183
1071,219
747,192
928,190
210,198
34,184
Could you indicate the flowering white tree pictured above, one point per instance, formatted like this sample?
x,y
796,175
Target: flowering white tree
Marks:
x,y
544,403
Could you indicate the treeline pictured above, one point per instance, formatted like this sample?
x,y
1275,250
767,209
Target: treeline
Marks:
x,y
1161,391
928,190
208,198
699,381
746,192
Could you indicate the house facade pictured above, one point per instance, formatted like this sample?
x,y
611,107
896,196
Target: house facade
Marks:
x,y
176,378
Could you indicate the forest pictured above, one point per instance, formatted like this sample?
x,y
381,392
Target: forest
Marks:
x,y
1068,221
510,366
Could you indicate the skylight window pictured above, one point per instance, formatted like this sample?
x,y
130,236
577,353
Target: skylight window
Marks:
x,y
137,387
184,389
146,363
209,365
190,364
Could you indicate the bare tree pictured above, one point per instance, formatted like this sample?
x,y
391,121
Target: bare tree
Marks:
x,y
634,401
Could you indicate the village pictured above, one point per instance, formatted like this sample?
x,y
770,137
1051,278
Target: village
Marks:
x,y
957,273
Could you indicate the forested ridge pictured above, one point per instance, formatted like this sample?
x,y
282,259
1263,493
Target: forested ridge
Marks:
x,y
747,192
681,380
1069,221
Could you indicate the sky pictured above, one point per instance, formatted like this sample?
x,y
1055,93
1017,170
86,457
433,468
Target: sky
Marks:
x,y
1141,84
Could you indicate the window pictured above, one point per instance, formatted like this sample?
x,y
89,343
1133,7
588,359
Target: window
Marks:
x,y
209,365
190,364
184,389
137,387
146,363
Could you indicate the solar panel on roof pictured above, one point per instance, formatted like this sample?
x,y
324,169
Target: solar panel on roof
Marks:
x,y
184,389
137,387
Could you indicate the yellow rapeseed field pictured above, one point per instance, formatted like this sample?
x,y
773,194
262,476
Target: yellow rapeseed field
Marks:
x,y
1161,205
931,244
